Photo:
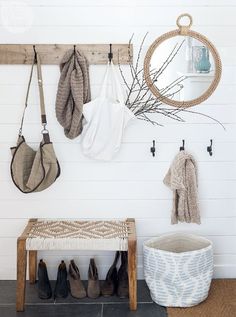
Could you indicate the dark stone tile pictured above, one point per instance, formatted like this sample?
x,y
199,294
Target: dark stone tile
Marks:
x,y
86,300
8,295
7,292
31,294
147,310
52,310
143,292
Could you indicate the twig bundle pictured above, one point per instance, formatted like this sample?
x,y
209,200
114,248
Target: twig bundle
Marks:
x,y
139,98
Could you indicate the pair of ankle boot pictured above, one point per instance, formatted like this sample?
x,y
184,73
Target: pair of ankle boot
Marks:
x,y
61,290
44,287
76,286
117,281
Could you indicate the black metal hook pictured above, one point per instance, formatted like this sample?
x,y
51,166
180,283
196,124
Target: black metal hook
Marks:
x,y
74,53
35,53
153,148
209,148
110,54
182,148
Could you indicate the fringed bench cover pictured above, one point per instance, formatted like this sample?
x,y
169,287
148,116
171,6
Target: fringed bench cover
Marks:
x,y
48,234
78,235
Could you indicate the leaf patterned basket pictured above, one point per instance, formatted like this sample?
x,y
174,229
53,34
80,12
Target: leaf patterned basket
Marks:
x,y
178,269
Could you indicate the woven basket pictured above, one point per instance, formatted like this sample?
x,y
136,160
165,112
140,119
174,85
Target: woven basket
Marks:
x,y
178,269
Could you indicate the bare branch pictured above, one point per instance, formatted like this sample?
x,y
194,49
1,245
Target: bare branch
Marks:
x,y
139,98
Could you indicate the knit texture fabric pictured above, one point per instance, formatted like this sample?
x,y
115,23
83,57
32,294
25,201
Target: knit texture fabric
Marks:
x,y
73,91
78,235
182,179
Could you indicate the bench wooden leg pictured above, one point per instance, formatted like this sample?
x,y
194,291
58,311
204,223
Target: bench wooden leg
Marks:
x,y
132,271
32,266
21,274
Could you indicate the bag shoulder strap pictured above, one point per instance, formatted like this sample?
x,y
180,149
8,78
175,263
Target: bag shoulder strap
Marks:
x,y
111,75
41,94
45,132
41,97
26,98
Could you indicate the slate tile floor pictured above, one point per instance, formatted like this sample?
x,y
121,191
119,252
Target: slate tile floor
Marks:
x,y
70,307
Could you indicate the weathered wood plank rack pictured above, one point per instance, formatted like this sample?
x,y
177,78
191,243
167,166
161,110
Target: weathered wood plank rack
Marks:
x,y
51,54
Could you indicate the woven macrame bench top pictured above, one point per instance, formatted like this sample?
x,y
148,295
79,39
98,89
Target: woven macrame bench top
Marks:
x,y
77,235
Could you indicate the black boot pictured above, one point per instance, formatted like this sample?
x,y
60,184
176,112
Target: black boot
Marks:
x,y
123,280
110,284
61,288
93,290
44,287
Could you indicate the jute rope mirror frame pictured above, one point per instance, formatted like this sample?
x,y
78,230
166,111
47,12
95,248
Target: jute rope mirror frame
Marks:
x,y
183,30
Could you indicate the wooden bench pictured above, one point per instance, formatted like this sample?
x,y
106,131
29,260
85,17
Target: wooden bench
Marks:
x,y
74,235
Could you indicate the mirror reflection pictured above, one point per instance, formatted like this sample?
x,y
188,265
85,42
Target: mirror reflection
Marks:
x,y
182,68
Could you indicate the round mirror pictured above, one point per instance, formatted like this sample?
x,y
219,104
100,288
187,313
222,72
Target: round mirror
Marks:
x,y
182,67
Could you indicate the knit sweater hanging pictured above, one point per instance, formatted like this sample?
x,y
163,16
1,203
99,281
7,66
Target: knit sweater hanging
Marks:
x,y
182,180
73,91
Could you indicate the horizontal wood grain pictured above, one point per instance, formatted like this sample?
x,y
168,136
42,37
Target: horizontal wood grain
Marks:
x,y
220,271
124,3
136,171
17,75
137,132
131,185
70,151
121,190
126,16
224,95
103,260
107,208
204,113
52,53
109,34
145,227
222,245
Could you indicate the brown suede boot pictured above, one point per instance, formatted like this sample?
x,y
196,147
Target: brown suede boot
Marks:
x,y
93,281
123,281
110,284
76,286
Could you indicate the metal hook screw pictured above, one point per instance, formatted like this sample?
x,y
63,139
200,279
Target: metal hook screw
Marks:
x,y
110,54
35,53
182,148
209,148
153,148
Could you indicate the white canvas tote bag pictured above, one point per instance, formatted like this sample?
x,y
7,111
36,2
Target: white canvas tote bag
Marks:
x,y
105,119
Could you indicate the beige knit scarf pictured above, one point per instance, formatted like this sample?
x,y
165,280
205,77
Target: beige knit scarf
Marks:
x,y
73,91
182,180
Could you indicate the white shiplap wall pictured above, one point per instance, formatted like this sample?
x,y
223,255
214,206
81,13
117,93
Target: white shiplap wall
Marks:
x,y
131,185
